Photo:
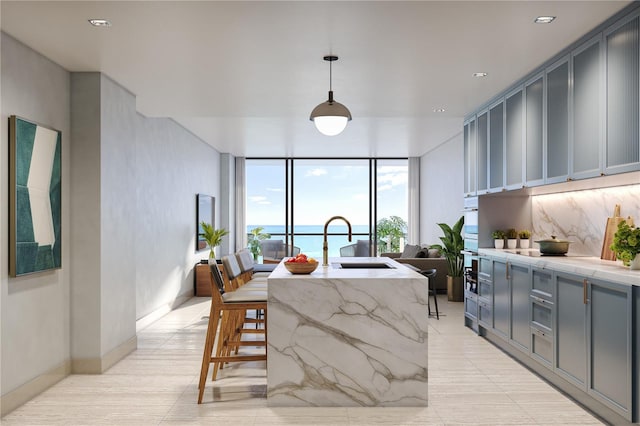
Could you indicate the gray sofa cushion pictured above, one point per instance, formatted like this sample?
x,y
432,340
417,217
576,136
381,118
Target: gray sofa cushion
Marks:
x,y
410,251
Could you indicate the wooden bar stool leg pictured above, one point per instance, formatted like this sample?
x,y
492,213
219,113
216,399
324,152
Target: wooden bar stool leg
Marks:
x,y
222,338
212,328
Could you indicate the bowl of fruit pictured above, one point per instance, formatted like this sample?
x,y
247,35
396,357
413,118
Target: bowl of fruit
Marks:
x,y
301,264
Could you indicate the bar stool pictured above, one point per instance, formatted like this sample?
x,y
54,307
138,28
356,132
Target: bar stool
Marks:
x,y
229,310
431,275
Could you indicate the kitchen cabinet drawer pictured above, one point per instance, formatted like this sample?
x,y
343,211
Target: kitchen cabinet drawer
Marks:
x,y
541,313
542,346
485,289
485,314
471,304
542,284
485,268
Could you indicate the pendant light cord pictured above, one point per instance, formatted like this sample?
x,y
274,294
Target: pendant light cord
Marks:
x,y
330,76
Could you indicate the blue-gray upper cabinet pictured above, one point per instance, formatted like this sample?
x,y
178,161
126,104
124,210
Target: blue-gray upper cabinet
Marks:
x,y
622,45
514,106
557,134
496,147
482,149
470,157
534,124
587,108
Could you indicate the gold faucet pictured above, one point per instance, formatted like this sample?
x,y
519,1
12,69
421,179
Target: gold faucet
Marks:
x,y
325,244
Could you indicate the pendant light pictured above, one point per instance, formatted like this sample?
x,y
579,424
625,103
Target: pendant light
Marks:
x,y
330,117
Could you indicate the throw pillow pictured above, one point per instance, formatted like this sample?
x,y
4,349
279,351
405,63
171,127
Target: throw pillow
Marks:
x,y
434,253
410,251
422,253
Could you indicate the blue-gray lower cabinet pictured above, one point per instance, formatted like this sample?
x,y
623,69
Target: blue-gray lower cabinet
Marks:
x,y
571,329
610,325
593,338
519,317
501,299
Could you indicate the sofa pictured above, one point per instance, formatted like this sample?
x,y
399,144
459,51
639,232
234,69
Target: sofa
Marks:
x,y
422,262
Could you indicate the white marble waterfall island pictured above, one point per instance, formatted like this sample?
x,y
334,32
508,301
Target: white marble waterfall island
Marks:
x,y
347,337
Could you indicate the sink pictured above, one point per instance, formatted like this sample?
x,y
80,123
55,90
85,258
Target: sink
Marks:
x,y
361,265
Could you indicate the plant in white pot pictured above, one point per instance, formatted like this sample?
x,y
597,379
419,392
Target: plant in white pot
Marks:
x,y
626,244
512,238
213,237
498,238
524,235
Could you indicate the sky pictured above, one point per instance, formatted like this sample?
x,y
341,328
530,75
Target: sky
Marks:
x,y
324,188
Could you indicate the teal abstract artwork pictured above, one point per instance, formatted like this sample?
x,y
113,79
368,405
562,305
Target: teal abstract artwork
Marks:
x,y
35,183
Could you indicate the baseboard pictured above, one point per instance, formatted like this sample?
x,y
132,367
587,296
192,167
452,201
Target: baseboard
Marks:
x,y
149,319
17,397
100,365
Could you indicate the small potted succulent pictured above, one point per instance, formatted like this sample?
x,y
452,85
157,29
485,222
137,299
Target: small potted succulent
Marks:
x,y
512,238
524,236
626,244
498,238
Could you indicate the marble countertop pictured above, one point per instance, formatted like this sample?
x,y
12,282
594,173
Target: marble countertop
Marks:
x,y
587,266
396,270
348,337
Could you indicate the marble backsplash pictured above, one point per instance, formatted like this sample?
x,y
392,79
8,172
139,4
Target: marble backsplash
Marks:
x,y
581,216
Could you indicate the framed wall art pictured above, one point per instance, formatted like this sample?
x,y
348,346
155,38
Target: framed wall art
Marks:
x,y
35,199
205,212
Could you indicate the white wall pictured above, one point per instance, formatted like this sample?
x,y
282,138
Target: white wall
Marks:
x,y
441,188
129,186
117,215
85,216
172,166
35,308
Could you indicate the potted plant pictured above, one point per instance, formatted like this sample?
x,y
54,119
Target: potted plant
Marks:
x,y
452,246
626,244
498,238
255,236
213,237
524,236
512,238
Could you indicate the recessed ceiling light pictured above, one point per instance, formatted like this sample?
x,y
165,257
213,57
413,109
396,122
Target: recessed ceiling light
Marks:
x,y
480,74
544,19
99,22
439,110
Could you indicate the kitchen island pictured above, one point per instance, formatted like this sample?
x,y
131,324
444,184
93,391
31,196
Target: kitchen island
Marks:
x,y
348,336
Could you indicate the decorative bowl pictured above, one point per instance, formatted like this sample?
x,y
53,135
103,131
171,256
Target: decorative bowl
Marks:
x,y
301,268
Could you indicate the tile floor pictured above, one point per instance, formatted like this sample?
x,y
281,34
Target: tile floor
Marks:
x,y
470,382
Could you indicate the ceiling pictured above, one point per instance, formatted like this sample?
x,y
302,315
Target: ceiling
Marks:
x,y
244,76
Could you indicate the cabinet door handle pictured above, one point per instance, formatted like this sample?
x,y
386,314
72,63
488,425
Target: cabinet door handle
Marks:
x,y
584,291
538,299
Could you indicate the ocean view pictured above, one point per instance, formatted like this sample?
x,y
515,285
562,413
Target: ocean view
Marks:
x,y
311,245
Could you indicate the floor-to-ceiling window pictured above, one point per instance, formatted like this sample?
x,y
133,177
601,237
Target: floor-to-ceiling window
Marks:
x,y
292,199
